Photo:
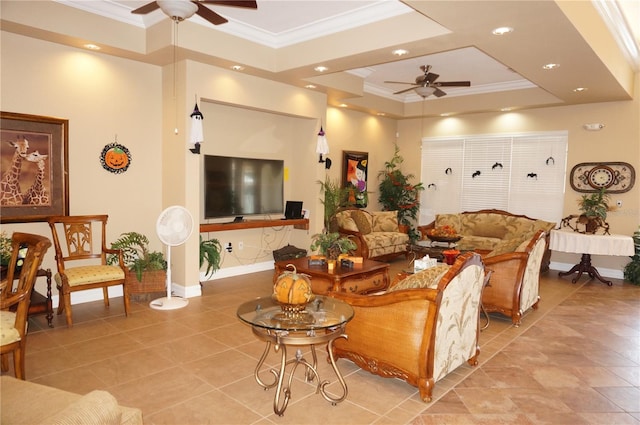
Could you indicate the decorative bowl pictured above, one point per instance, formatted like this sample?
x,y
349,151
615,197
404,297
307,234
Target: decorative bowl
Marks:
x,y
448,239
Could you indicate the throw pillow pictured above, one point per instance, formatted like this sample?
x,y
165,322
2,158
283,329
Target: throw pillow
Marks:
x,y
97,407
490,230
428,278
385,221
363,221
345,221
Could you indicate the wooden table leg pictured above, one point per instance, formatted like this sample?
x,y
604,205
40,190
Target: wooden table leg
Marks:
x,y
585,266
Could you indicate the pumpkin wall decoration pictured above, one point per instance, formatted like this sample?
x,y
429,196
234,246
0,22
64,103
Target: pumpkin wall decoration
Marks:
x,y
292,288
115,158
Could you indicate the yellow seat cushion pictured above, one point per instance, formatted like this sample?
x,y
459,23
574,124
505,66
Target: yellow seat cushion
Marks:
x,y
91,274
8,332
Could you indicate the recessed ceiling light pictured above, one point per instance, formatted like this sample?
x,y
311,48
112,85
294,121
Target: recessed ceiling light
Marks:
x,y
502,31
381,114
310,86
551,66
237,67
446,114
400,52
580,89
321,68
92,46
343,105
505,109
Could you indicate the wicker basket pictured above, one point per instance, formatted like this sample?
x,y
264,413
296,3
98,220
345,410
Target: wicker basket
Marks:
x,y
152,281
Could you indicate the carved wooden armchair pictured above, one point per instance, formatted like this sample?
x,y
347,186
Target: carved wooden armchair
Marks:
x,y
417,335
14,302
515,280
82,260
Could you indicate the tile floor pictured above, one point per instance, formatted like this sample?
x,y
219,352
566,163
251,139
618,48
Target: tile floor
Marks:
x,y
576,360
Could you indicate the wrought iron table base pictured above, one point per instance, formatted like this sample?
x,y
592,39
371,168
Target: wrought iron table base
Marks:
x,y
280,340
584,266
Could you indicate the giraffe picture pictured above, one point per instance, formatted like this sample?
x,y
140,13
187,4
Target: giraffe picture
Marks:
x,y
33,167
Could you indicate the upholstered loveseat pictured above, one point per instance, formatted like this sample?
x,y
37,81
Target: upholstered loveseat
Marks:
x,y
490,230
420,329
376,234
27,403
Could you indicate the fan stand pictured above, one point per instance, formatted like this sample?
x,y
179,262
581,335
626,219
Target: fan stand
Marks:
x,y
168,302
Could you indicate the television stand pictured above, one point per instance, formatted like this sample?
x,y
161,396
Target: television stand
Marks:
x,y
302,224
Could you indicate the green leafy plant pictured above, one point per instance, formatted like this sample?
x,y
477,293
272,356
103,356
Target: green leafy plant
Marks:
x,y
5,249
210,252
397,193
136,254
332,244
632,269
595,204
334,197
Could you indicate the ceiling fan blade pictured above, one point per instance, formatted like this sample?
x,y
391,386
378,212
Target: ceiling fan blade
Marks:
x,y
405,90
431,77
453,84
439,93
209,15
233,3
399,82
149,7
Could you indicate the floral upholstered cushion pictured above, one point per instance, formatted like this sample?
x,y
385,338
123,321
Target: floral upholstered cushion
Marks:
x,y
460,306
91,274
381,243
428,278
8,332
385,221
363,221
345,221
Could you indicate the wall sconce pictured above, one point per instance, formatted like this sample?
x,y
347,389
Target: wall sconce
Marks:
x,y
322,148
596,126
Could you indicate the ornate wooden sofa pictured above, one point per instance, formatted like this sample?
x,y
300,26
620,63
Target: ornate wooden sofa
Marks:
x,y
376,234
420,329
483,230
515,279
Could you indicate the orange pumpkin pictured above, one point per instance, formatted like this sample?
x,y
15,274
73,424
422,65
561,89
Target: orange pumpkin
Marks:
x,y
116,158
292,287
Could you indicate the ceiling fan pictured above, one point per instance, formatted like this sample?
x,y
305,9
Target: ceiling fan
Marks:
x,y
179,10
426,84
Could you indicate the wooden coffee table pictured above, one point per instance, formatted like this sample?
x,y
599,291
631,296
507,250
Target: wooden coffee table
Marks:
x,y
371,276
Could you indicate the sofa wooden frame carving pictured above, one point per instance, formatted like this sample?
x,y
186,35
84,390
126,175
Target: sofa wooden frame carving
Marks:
x,y
417,335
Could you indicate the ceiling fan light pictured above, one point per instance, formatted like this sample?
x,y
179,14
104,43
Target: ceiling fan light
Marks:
x,y
425,91
178,9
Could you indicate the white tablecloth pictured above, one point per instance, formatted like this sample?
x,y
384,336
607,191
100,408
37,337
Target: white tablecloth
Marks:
x,y
579,243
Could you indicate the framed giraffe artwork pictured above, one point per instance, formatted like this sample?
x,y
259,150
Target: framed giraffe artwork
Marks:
x,y
34,167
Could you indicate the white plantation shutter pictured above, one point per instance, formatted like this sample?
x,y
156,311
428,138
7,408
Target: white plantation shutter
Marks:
x,y
521,173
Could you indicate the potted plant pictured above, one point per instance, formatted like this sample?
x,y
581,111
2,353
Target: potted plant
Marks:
x,y
594,209
210,252
335,196
632,269
5,249
397,193
147,269
331,245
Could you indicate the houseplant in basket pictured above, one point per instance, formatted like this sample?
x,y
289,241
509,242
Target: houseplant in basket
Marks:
x,y
593,210
147,269
397,193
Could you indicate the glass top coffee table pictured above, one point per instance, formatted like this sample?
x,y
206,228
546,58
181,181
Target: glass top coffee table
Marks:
x,y
321,322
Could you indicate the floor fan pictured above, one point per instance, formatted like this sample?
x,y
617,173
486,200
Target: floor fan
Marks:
x,y
174,226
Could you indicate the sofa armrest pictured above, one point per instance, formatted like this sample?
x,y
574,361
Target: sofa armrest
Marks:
x,y
361,246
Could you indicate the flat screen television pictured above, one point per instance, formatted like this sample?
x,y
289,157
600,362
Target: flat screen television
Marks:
x,y
242,186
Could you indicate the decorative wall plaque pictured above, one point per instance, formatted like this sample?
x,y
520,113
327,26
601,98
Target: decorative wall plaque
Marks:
x,y
615,177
